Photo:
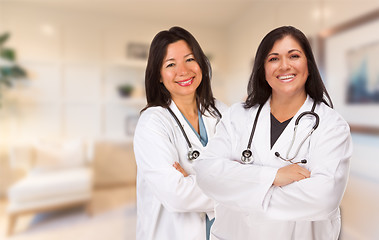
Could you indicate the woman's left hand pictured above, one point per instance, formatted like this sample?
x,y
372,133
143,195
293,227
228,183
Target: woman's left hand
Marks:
x,y
290,174
180,169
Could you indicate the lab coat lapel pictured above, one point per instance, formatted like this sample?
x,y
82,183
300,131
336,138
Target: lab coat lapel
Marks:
x,y
195,142
305,125
210,123
261,139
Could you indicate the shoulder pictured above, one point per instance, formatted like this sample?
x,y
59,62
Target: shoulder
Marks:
x,y
237,112
154,117
330,118
238,108
153,112
222,107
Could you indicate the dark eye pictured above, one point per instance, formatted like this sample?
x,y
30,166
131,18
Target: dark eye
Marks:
x,y
273,59
190,59
295,56
170,65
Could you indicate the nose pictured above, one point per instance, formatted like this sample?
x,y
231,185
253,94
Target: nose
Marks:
x,y
285,65
182,69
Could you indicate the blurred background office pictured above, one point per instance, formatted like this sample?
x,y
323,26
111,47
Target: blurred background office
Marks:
x,y
76,70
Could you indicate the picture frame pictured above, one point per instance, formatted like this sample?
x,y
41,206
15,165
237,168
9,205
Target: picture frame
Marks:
x,y
137,51
131,121
351,75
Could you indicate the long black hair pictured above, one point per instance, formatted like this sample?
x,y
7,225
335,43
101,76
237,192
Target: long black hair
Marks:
x,y
156,92
259,90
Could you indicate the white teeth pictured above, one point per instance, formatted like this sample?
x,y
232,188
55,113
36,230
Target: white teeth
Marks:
x,y
286,77
186,81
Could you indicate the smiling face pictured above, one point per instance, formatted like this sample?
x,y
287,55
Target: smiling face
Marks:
x,y
180,73
286,69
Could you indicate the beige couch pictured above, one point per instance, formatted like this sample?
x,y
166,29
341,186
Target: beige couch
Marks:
x,y
63,174
59,176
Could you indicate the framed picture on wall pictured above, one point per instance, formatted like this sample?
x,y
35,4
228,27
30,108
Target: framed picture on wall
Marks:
x,y
131,121
137,51
348,55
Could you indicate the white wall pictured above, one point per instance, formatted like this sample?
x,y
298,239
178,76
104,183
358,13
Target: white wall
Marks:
x,y
76,60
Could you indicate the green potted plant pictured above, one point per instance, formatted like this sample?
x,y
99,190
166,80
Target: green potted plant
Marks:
x,y
125,90
9,70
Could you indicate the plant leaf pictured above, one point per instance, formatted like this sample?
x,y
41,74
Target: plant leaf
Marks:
x,y
8,54
17,72
3,38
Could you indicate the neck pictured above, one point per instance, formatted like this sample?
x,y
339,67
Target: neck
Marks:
x,y
285,108
187,106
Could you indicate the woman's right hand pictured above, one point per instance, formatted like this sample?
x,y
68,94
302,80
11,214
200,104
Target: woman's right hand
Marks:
x,y
290,174
180,169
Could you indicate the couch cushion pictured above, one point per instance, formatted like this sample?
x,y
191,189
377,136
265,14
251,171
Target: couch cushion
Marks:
x,y
51,185
55,155
49,203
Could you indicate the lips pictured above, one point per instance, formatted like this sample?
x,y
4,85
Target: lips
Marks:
x,y
186,82
286,78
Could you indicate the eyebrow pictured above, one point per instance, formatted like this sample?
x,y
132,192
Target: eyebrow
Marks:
x,y
290,51
172,59
294,50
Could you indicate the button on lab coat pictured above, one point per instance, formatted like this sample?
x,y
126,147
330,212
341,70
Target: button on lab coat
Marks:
x,y
169,205
248,205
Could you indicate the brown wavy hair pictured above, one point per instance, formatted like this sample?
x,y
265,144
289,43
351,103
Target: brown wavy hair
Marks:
x,y
156,92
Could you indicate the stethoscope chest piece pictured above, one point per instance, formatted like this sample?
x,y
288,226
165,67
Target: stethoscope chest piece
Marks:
x,y
247,157
193,154
317,120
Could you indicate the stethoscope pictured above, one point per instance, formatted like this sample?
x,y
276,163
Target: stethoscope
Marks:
x,y
192,154
247,155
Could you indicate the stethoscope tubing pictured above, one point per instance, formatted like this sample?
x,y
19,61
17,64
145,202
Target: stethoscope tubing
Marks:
x,y
181,128
192,154
254,126
295,131
247,154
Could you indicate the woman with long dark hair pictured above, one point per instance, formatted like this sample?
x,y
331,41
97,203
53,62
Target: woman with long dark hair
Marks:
x,y
278,164
173,129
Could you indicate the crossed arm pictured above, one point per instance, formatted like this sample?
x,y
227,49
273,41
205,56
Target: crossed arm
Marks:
x,y
284,176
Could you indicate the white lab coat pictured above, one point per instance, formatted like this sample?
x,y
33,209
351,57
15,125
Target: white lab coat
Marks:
x,y
248,205
169,205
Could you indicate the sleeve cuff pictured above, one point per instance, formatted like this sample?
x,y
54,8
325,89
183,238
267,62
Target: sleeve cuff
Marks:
x,y
268,177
